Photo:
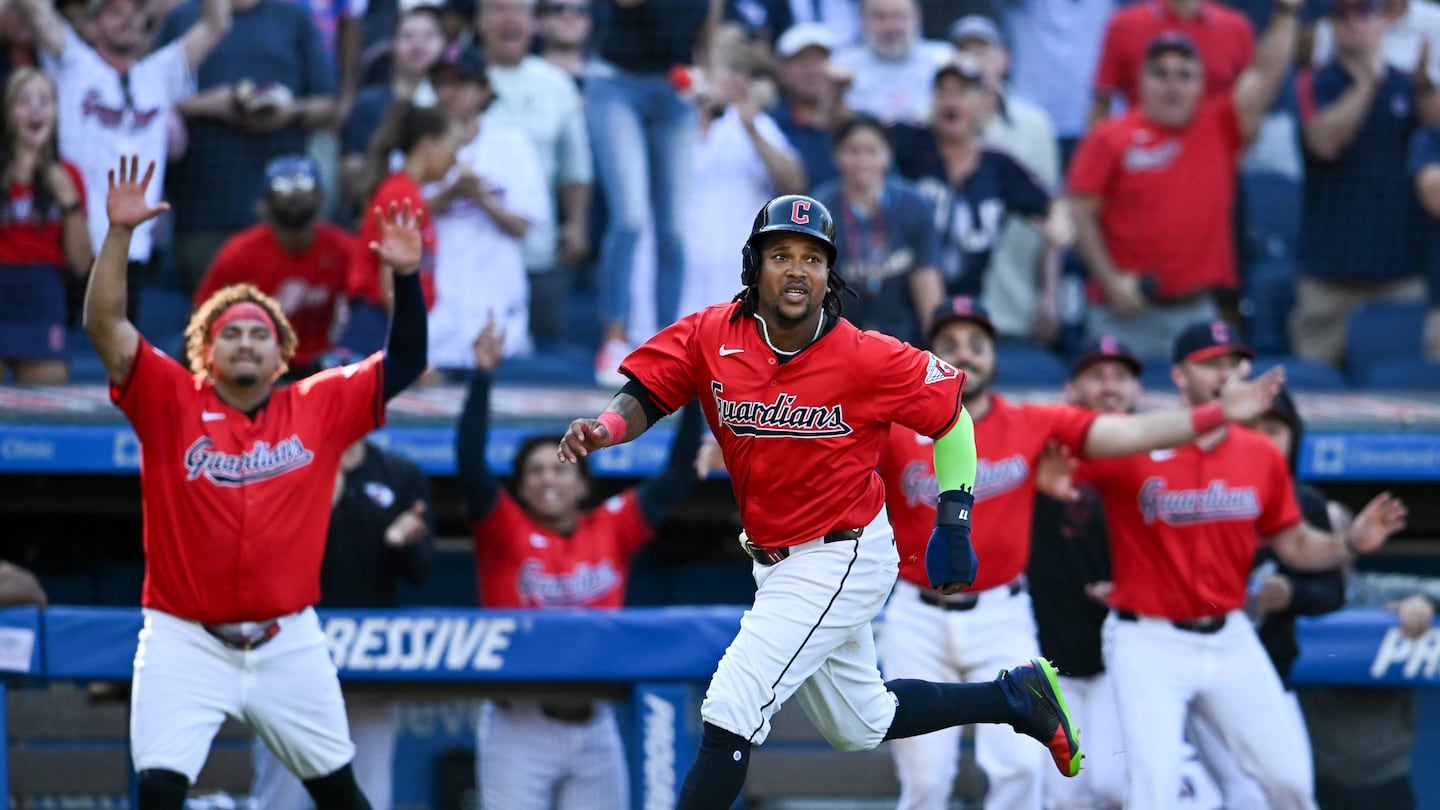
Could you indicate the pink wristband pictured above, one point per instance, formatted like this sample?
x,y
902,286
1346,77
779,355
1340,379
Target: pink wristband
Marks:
x,y
615,424
1206,418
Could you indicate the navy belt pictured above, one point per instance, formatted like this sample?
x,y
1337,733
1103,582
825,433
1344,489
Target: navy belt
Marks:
x,y
769,555
1204,624
964,601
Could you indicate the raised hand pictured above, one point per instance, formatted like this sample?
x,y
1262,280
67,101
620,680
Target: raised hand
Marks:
x,y
399,245
489,345
408,527
1053,471
126,206
1382,517
1243,399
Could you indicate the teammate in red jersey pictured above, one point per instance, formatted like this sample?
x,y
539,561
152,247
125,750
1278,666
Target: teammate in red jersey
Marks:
x,y
994,615
535,548
800,402
236,477
1184,528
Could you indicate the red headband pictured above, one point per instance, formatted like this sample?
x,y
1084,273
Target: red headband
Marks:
x,y
242,311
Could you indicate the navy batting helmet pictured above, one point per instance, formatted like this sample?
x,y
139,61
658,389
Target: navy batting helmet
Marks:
x,y
795,213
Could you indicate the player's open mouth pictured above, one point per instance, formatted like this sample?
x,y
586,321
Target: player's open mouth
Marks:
x,y
795,292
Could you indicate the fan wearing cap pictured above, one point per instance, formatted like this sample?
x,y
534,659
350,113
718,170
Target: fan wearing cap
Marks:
x,y
1153,190
484,206
1184,528
292,256
1223,38
994,612
976,188
812,96
237,476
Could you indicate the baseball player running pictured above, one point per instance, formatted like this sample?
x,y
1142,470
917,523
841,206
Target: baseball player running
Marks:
x,y
536,548
967,636
800,402
236,480
1184,526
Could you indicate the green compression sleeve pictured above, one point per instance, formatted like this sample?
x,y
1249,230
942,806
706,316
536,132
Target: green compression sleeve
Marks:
x,y
955,456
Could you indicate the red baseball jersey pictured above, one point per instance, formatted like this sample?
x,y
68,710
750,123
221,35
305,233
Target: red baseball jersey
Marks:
x,y
521,564
309,286
1185,523
1222,36
28,238
1008,442
364,267
800,438
1166,195
236,509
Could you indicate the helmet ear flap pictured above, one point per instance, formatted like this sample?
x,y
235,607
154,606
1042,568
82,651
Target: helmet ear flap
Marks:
x,y
749,266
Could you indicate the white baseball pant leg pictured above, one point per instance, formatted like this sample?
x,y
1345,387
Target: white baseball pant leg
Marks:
x,y
808,632
1240,790
373,728
1101,783
929,643
527,761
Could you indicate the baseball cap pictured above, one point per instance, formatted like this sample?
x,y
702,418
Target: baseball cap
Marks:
x,y
463,61
961,67
1206,339
961,308
1171,42
804,35
292,172
1106,348
976,26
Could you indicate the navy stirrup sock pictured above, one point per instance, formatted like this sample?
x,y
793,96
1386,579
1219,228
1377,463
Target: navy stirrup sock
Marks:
x,y
718,775
922,707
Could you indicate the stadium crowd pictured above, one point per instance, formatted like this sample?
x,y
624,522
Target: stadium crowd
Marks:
x,y
1075,165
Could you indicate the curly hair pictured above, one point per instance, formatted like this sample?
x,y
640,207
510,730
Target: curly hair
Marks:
x,y
197,333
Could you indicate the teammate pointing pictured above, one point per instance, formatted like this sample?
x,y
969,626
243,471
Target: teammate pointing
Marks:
x,y
237,478
800,402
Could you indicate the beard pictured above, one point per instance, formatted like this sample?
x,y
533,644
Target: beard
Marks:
x,y
293,217
246,379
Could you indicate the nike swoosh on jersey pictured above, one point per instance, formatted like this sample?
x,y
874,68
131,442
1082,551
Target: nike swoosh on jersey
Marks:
x,y
211,416
724,352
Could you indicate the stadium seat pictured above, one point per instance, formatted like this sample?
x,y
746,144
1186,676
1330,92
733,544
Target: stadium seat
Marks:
x,y
1155,377
1302,374
1403,374
1383,331
1269,296
1021,364
85,365
162,315
1272,215
563,364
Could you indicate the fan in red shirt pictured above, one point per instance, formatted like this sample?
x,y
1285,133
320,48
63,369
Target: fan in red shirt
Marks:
x,y
1184,527
43,236
1152,191
293,257
236,479
994,614
426,138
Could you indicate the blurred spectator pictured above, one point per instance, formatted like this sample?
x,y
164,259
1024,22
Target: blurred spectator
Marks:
x,y
643,132
426,139
539,99
565,27
842,17
416,47
1362,737
77,13
741,160
812,97
893,67
483,209
339,30
293,257
1408,24
267,86
17,39
1022,291
113,102
19,587
974,187
889,252
381,531
1360,233
938,17
43,237
1056,45
760,22
1424,169
1221,37
457,17
1153,191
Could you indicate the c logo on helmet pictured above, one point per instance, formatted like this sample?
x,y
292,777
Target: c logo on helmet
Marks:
x,y
798,212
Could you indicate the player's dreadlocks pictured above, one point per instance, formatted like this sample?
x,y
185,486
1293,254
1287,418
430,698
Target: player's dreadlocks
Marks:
x,y
833,304
197,333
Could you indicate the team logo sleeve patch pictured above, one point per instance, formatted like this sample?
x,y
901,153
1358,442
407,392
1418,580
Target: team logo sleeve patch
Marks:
x,y
938,370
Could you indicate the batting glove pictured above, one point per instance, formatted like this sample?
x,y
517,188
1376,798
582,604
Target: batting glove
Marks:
x,y
949,557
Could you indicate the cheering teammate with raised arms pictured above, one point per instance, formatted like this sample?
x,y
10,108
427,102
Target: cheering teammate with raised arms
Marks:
x,y
237,477
800,402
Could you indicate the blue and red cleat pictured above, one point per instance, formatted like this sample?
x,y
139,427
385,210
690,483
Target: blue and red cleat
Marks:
x,y
1040,712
